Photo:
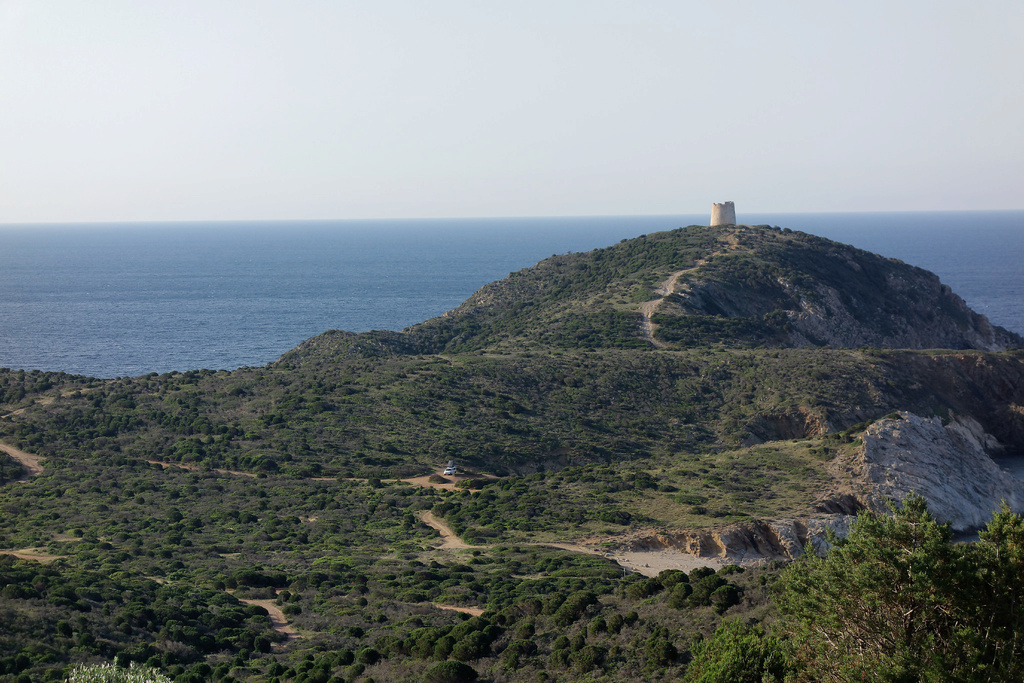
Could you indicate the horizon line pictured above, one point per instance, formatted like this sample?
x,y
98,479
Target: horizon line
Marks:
x,y
4,224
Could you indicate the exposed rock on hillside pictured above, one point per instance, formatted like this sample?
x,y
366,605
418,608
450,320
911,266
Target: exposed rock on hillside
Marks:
x,y
747,543
948,466
793,289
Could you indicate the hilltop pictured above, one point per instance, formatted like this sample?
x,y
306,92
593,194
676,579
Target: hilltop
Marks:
x,y
728,391
739,286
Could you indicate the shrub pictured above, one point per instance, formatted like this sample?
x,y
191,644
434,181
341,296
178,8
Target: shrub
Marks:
x,y
589,658
725,597
897,600
473,646
573,607
644,588
451,672
677,598
738,653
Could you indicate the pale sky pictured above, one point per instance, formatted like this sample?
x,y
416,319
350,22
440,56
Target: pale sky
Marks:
x,y
139,110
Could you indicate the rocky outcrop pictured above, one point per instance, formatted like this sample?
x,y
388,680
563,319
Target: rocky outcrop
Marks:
x,y
825,319
948,465
798,290
987,387
798,423
748,543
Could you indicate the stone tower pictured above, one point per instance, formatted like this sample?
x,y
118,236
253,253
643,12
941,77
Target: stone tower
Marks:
x,y
723,214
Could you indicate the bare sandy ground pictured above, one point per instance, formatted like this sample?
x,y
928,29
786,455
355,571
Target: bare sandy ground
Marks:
x,y
475,611
648,563
34,554
450,485
651,563
28,461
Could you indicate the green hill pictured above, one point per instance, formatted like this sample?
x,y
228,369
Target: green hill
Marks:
x,y
733,285
663,387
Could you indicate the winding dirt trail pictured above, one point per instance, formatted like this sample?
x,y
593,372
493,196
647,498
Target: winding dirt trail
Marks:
x,y
648,308
28,461
666,288
277,618
197,468
451,540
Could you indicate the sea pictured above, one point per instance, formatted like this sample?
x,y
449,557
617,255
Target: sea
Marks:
x,y
120,299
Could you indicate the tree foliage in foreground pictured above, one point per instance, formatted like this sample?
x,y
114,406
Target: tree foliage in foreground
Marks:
x,y
897,601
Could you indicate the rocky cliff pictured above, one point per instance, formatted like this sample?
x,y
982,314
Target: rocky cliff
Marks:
x,y
948,465
747,543
793,289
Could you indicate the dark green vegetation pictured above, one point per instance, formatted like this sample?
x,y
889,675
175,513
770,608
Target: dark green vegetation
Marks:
x,y
173,498
10,469
897,601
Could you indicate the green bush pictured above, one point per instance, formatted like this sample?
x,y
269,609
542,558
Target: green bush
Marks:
x,y
897,600
739,654
451,672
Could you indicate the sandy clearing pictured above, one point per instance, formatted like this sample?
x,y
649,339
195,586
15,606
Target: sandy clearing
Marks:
x,y
28,461
651,563
425,482
648,563
34,554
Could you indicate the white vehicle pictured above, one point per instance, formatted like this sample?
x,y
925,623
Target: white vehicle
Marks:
x,y
450,469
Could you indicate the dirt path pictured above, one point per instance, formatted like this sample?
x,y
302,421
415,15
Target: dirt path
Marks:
x,y
451,541
666,288
475,611
277,618
646,563
28,461
34,554
648,308
197,468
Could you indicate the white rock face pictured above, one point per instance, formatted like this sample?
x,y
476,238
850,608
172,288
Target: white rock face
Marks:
x,y
948,466
723,214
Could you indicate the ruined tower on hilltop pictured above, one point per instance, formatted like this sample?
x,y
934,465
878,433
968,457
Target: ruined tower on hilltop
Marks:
x,y
723,214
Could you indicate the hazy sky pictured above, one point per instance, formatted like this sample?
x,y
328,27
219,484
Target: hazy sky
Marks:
x,y
135,110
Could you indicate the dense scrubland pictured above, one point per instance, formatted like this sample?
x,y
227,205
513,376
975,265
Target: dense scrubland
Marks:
x,y
170,506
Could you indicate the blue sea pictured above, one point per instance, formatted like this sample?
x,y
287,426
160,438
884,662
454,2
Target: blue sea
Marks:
x,y
111,300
